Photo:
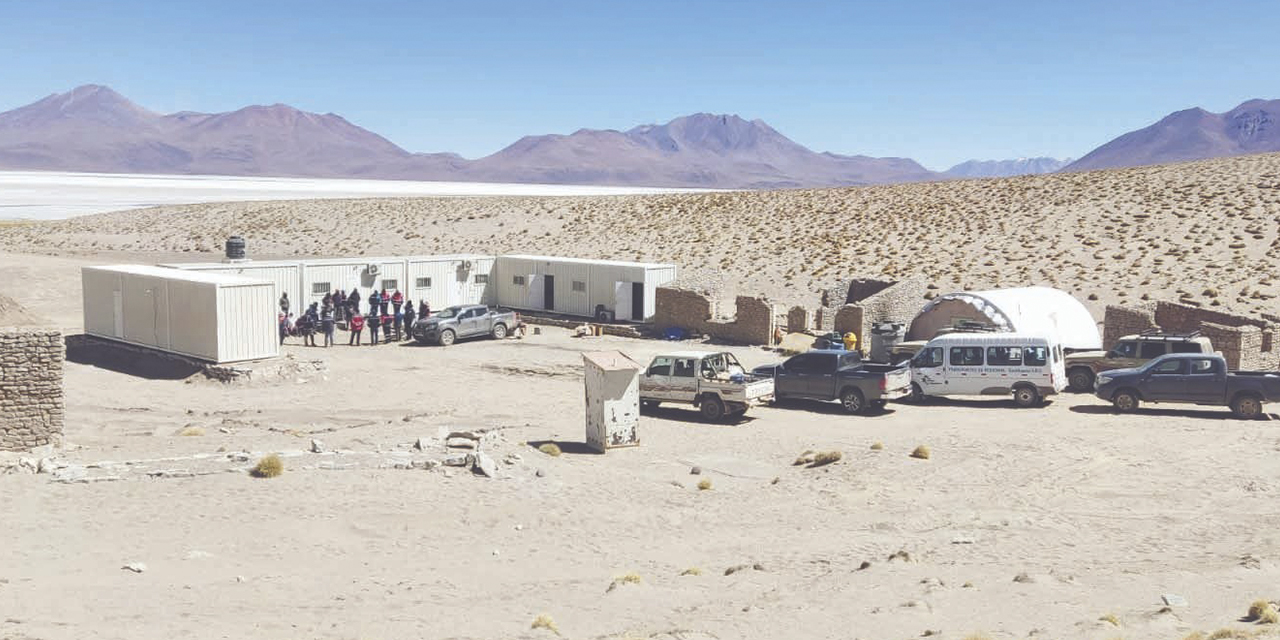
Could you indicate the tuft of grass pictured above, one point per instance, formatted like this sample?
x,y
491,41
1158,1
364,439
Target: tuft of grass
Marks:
x,y
826,457
550,448
1110,617
1260,610
921,452
877,446
704,484
1230,634
977,636
804,458
191,430
268,467
691,571
630,578
544,621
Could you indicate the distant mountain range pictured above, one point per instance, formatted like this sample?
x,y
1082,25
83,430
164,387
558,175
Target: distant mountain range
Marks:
x,y
93,128
1192,134
1005,168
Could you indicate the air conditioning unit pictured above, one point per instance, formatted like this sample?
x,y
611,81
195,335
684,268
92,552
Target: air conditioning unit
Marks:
x,y
372,269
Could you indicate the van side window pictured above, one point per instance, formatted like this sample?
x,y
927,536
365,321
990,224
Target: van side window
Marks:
x,y
928,358
1035,356
966,356
1004,356
1151,350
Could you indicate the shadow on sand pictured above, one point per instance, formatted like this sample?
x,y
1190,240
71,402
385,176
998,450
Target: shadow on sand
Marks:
x,y
1096,410
121,358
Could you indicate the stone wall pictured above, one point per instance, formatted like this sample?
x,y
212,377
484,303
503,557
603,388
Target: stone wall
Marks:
x,y
798,320
692,310
1123,321
1245,343
877,300
31,404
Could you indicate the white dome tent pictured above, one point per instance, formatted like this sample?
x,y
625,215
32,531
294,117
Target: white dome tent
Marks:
x,y
1037,310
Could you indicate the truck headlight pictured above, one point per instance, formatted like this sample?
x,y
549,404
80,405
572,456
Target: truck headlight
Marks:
x,y
1103,379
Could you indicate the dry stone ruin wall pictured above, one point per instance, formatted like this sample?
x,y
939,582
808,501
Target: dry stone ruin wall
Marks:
x,y
31,403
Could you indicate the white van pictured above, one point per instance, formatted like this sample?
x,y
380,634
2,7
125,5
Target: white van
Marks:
x,y
1029,367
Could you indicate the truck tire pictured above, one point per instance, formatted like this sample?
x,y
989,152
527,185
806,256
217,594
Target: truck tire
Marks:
x,y
1125,401
1247,406
447,337
917,394
1026,396
499,331
852,400
712,408
1080,379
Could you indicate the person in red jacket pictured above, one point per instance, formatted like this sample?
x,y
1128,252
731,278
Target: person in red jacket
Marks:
x,y
397,300
356,326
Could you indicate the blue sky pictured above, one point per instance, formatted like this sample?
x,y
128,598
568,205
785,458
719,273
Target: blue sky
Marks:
x,y
940,82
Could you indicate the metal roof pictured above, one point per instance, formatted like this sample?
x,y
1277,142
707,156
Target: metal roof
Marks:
x,y
611,263
179,274
356,260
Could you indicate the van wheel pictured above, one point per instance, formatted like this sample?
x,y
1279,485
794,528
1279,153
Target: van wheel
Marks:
x,y
1247,407
447,337
917,394
852,401
712,408
1025,396
499,331
1080,380
1125,401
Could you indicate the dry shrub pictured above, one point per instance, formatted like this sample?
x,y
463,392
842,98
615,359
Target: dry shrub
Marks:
x,y
804,458
826,457
1263,612
877,446
1230,634
268,467
1110,617
691,571
921,452
550,448
1270,616
191,430
704,484
544,621
977,636
630,578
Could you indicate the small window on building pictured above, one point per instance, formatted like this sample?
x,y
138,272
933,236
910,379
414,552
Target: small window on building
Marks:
x,y
424,283
579,286
320,288
390,285
517,280
482,278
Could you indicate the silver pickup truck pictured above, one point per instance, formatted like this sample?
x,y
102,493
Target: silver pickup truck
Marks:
x,y
712,381
464,321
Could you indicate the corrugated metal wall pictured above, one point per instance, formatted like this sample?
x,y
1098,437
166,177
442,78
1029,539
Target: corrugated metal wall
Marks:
x,y
246,323
193,320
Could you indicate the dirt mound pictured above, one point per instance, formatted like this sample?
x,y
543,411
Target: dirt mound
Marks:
x,y
13,314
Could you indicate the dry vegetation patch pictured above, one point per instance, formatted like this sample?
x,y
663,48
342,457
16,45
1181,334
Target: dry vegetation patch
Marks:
x,y
268,467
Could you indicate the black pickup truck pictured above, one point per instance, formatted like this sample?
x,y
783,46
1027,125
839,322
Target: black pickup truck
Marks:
x,y
835,374
1190,378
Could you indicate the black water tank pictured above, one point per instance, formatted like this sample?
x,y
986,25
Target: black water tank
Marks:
x,y
235,248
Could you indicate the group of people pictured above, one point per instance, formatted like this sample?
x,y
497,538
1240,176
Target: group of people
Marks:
x,y
391,313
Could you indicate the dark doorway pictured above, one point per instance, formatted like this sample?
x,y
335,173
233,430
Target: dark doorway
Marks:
x,y
549,293
637,301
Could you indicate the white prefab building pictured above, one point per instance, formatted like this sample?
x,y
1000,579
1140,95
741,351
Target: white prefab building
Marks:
x,y
440,280
208,316
613,399
580,287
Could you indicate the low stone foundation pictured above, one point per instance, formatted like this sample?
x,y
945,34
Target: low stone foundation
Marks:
x,y
31,402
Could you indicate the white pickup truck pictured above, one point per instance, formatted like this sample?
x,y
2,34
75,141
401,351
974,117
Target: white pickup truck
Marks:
x,y
712,381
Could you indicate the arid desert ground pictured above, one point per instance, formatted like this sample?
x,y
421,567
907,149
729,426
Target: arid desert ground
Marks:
x,y
1066,521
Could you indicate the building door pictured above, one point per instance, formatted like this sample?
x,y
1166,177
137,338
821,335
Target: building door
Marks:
x,y
549,293
637,301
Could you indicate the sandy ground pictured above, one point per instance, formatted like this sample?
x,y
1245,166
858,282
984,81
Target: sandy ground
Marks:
x,y
1206,232
51,195
1022,524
